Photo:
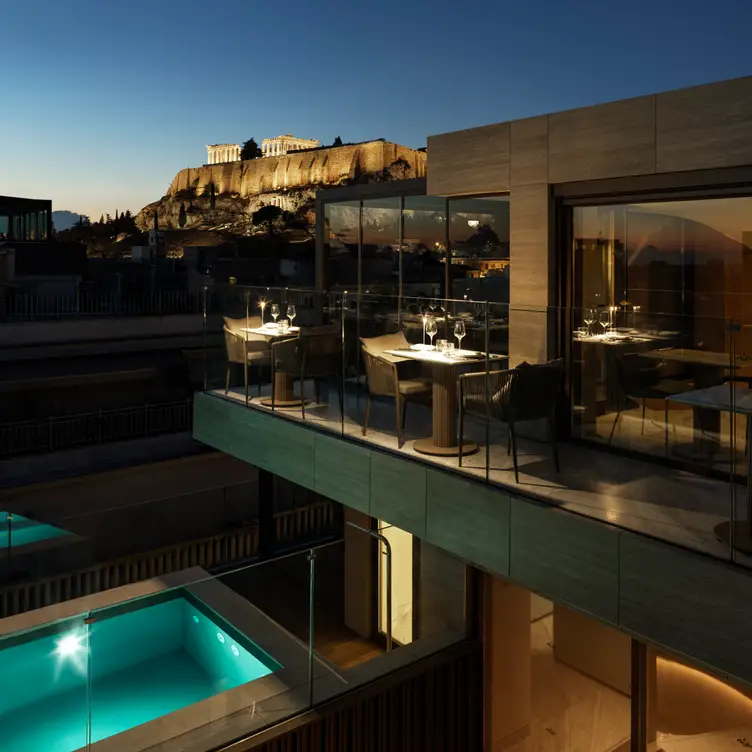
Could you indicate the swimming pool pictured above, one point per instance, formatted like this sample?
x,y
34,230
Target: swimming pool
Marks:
x,y
22,531
68,684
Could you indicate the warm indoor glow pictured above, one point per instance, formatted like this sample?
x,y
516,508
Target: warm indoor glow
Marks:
x,y
693,702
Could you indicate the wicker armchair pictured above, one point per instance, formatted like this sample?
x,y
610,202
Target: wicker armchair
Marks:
x,y
316,353
245,349
528,392
383,378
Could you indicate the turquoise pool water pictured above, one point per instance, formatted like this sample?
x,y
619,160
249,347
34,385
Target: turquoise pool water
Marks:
x,y
24,531
65,686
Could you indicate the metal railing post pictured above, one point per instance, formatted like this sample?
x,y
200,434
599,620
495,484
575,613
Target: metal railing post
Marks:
x,y
311,578
388,553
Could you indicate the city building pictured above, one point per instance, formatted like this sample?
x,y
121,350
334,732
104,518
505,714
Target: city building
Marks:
x,y
281,145
25,219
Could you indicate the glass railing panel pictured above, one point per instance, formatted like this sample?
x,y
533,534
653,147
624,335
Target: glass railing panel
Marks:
x,y
382,599
653,393
44,661
279,349
404,376
738,530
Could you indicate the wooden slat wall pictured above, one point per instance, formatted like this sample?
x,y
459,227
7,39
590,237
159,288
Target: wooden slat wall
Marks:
x,y
439,709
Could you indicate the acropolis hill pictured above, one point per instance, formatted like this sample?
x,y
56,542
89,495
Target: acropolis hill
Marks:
x,y
287,181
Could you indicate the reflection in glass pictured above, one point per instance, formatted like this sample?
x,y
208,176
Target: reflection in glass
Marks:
x,y
667,279
341,238
479,247
380,245
424,246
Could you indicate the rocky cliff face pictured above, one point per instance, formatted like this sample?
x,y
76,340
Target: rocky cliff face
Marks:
x,y
289,182
319,167
198,211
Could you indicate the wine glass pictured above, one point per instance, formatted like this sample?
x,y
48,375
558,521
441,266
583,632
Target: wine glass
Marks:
x,y
459,332
589,319
275,312
431,329
291,312
604,317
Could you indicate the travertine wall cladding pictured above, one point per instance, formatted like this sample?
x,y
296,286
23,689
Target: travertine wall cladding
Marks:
x,y
297,169
471,161
703,127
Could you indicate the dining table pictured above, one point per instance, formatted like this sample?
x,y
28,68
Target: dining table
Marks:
x,y
284,383
708,367
731,398
444,441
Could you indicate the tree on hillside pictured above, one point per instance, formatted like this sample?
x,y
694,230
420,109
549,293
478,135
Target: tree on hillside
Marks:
x,y
337,141
182,217
250,150
267,215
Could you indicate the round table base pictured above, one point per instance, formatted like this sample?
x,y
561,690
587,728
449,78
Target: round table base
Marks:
x,y
427,446
267,402
742,535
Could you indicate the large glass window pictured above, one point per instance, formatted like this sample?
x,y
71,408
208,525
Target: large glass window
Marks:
x,y
380,245
662,308
424,246
420,246
479,245
341,241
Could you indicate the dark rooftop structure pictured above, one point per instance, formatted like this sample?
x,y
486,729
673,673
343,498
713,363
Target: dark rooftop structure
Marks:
x,y
25,219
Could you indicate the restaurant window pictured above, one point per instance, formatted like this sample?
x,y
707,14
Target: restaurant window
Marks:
x,y
380,245
341,242
479,248
424,246
661,309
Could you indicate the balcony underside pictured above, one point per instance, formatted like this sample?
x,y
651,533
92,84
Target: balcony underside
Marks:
x,y
662,502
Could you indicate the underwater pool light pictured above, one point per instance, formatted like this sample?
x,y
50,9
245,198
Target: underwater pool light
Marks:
x,y
195,618
69,645
235,650
220,637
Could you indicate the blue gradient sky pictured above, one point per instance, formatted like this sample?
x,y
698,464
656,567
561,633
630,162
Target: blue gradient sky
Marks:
x,y
101,103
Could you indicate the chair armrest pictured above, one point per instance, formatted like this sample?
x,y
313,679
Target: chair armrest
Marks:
x,y
472,391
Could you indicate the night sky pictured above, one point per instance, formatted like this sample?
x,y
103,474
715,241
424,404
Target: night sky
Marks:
x,y
103,102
